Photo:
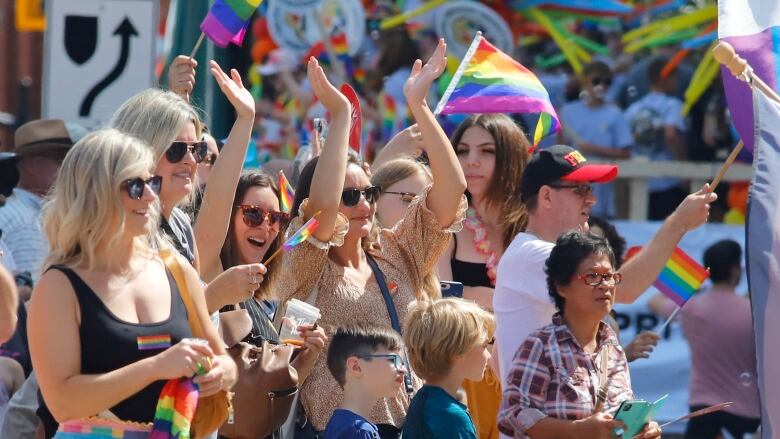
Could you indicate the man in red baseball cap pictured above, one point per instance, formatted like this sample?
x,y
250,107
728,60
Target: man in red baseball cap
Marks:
x,y
556,189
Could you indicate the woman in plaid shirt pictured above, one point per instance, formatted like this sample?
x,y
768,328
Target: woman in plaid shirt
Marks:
x,y
568,377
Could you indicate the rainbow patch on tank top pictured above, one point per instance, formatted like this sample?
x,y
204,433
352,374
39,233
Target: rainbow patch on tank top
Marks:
x,y
150,342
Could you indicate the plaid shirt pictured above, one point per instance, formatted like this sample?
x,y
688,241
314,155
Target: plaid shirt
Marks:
x,y
551,375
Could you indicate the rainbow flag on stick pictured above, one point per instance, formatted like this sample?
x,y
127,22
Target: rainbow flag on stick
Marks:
x,y
296,238
681,277
286,193
228,20
490,81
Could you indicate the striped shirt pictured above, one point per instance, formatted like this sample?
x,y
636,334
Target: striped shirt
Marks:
x,y
20,221
551,375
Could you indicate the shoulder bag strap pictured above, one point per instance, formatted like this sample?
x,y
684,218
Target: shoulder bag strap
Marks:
x,y
178,275
380,279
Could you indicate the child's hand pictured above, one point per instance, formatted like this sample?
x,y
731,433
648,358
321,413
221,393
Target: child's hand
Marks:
x,y
234,91
421,78
332,99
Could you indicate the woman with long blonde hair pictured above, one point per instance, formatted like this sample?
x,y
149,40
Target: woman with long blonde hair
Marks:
x,y
106,290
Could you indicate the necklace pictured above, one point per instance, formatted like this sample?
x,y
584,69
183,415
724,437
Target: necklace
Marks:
x,y
481,243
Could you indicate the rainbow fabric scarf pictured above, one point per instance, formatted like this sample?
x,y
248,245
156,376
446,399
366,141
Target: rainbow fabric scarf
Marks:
x,y
490,81
175,410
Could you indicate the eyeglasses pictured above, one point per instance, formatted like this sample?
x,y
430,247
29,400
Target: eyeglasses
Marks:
x,y
581,189
594,279
351,197
179,149
606,82
255,216
210,159
135,187
406,197
395,358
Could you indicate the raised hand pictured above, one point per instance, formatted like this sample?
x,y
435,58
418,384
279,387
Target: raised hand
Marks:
x,y
422,76
694,209
328,95
181,75
234,90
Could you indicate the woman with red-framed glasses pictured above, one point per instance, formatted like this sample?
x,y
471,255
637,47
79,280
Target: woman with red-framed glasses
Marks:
x,y
569,378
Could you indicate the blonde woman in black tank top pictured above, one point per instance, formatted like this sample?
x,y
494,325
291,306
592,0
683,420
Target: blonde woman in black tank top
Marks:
x,y
107,293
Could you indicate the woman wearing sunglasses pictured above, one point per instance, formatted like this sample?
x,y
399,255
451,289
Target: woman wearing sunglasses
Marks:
x,y
107,291
172,128
568,378
335,261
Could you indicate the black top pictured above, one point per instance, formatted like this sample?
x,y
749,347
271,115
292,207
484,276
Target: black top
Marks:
x,y
470,274
108,343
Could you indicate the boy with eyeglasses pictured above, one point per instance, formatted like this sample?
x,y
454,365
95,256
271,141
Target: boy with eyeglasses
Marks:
x,y
366,362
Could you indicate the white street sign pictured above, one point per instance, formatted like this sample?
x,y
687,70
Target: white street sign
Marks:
x,y
97,54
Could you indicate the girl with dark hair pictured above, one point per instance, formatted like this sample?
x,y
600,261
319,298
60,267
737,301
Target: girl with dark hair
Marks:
x,y
343,268
492,151
568,376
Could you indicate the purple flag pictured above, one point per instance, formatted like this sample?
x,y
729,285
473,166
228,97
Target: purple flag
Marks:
x,y
753,28
763,256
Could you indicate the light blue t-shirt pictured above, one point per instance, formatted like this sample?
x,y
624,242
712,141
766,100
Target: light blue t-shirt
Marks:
x,y
605,126
434,413
647,118
346,424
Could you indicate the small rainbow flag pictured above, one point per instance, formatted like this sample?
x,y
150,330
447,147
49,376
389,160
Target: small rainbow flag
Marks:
x,y
175,410
490,81
681,277
228,20
151,342
302,234
286,193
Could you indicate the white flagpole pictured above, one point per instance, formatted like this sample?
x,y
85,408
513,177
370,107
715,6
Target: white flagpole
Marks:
x,y
669,320
458,73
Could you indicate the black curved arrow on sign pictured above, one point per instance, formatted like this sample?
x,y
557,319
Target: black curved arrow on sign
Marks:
x,y
126,31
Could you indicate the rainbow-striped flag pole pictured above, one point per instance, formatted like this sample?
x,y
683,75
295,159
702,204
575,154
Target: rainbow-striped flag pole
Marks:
x,y
679,280
490,81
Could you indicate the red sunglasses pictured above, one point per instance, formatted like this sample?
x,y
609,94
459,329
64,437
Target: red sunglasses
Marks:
x,y
255,216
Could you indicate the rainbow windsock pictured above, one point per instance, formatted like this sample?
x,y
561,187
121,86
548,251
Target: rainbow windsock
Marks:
x,y
286,193
228,20
175,410
302,234
490,81
681,277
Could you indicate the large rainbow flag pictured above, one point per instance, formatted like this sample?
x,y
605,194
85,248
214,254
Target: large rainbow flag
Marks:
x,y
490,81
228,20
681,277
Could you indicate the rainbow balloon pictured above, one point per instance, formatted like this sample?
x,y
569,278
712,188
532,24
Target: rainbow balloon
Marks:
x,y
286,193
681,277
228,20
490,81
302,234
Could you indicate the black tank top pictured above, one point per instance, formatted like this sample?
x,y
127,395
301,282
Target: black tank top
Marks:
x,y
108,343
470,274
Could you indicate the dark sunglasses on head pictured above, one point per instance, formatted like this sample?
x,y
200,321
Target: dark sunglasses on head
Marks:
x,y
255,216
135,187
351,197
178,150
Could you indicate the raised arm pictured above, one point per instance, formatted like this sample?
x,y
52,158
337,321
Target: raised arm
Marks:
x,y
641,270
211,228
407,142
328,181
448,180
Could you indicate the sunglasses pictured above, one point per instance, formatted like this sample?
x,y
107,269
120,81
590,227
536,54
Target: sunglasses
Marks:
x,y
179,149
351,197
255,216
210,159
594,279
135,187
395,358
581,189
406,197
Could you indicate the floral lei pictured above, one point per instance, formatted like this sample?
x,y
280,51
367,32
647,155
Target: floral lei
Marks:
x,y
481,243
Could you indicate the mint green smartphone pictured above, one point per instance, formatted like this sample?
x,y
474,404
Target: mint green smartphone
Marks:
x,y
633,414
